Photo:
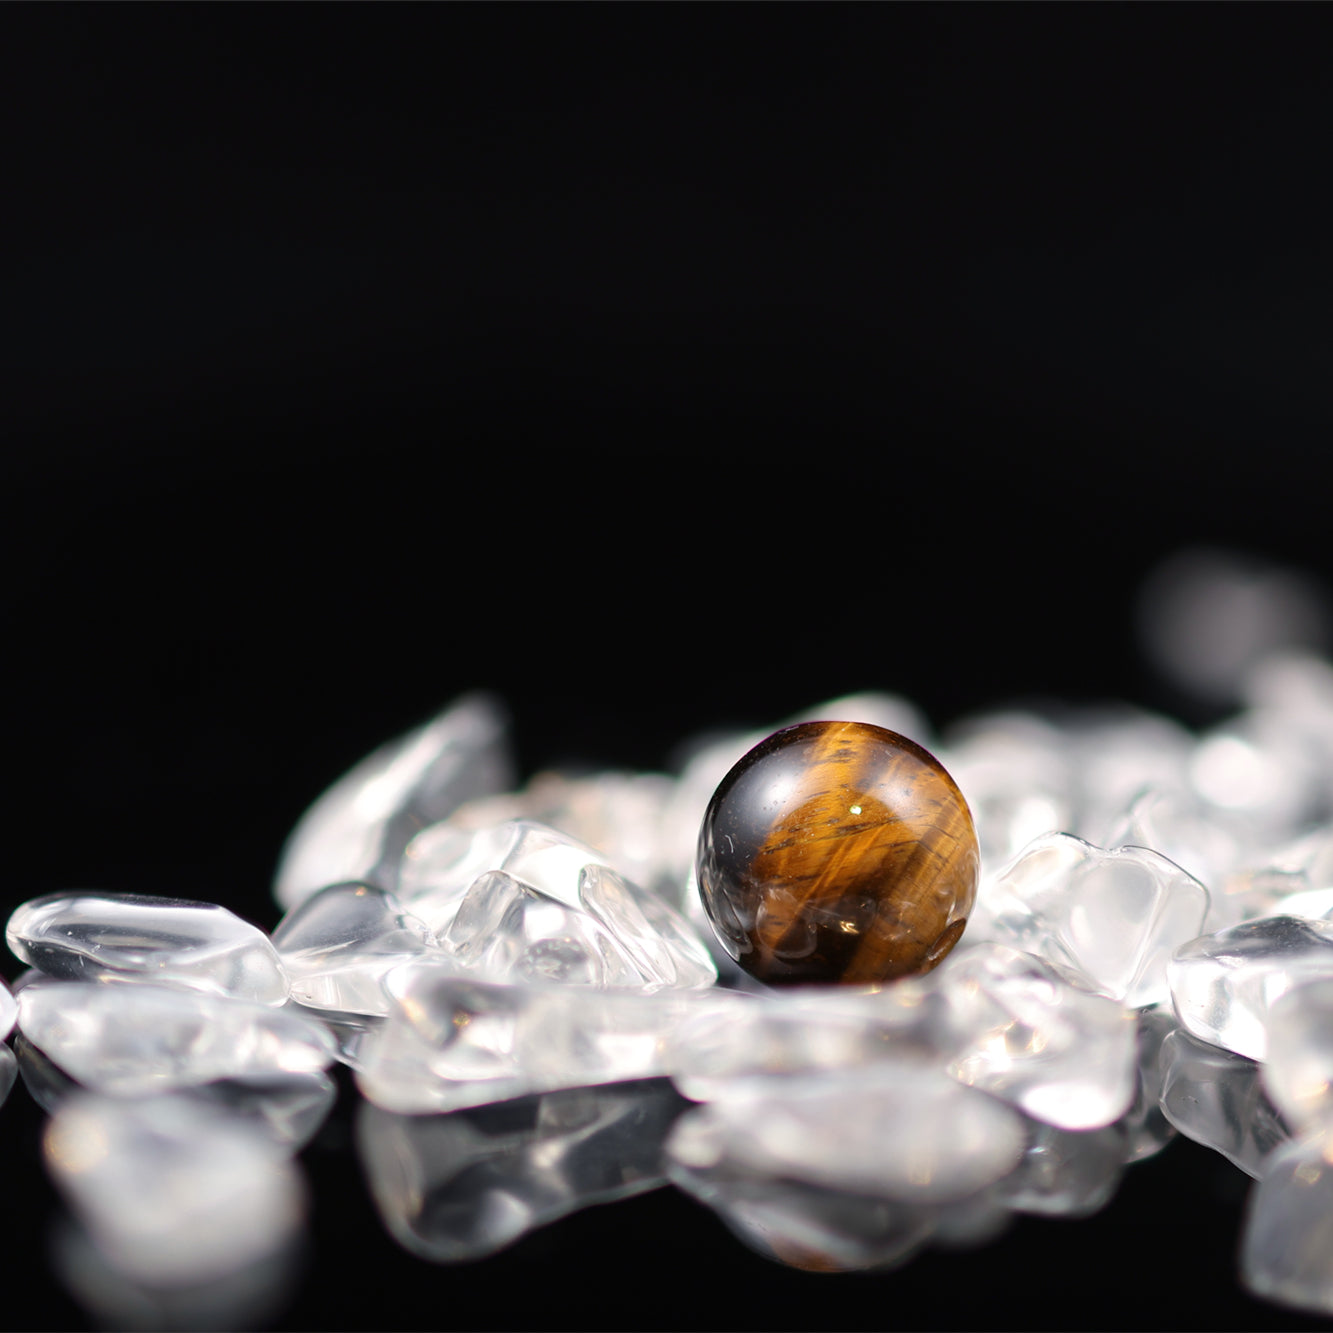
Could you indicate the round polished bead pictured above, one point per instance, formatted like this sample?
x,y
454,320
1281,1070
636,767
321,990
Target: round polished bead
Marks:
x,y
837,852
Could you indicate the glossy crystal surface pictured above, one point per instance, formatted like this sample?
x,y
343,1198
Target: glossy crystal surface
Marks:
x,y
1065,1173
1108,919
1022,1033
339,944
462,1185
358,828
136,938
1286,1251
520,902
450,1043
133,1041
1218,1099
1298,1074
1223,985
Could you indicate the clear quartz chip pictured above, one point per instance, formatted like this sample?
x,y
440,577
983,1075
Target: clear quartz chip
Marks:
x,y
358,828
287,1107
1066,1173
1286,1250
132,1041
172,1192
9,1010
1223,985
339,944
126,937
622,815
1217,1099
1147,1130
748,1040
451,1043
8,1072
1108,919
520,902
1022,1033
1299,1071
463,1185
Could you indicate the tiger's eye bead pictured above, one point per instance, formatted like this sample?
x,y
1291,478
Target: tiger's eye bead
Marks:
x,y
837,852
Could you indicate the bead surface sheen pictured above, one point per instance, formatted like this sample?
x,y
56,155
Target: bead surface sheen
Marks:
x,y
837,852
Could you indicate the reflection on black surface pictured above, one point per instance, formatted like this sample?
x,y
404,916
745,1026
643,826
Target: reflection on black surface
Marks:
x,y
465,1184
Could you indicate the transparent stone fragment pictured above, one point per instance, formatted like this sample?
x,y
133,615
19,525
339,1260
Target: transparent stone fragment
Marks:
x,y
1217,1099
1178,825
1114,753
1107,919
339,944
8,1072
1065,1173
127,937
521,902
896,1131
1223,985
451,1043
1022,1033
1299,1072
1286,1251
1013,768
622,815
9,1010
125,1041
1147,1130
358,828
465,1184
170,1191
803,1031
1263,771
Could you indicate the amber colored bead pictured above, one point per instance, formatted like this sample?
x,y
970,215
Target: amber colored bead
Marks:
x,y
837,852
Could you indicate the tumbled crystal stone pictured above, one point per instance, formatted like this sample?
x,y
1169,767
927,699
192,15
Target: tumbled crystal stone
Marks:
x,y
130,1041
1286,1252
8,1072
9,1010
1108,919
463,1185
339,944
1216,1098
520,902
1223,985
1147,1130
451,1043
1022,1033
1299,1071
1065,1173
127,937
288,1107
622,815
358,828
743,1040
171,1191
1015,772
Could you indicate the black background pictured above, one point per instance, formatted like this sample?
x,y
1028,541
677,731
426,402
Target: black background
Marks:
x,y
659,368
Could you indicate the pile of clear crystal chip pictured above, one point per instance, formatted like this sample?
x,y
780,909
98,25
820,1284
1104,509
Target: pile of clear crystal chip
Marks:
x,y
537,1018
